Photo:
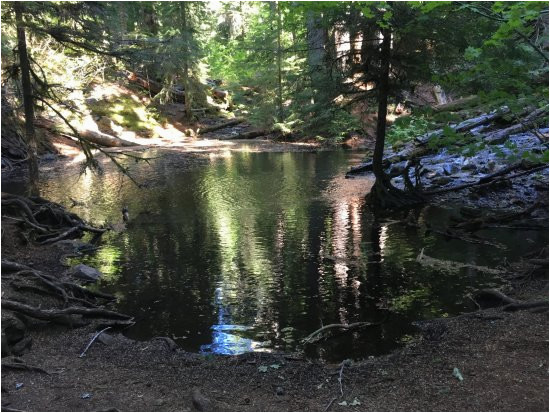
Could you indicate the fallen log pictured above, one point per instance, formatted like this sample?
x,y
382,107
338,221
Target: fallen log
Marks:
x,y
102,139
222,125
456,104
423,259
500,136
487,180
155,87
245,135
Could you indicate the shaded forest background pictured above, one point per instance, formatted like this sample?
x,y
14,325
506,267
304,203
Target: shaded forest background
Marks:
x,y
309,70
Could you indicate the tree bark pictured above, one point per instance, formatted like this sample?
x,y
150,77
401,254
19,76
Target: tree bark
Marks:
x,y
186,83
28,101
383,91
279,66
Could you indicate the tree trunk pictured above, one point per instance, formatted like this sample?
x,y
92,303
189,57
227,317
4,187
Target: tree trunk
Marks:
x,y
383,91
279,66
28,101
316,39
384,196
186,82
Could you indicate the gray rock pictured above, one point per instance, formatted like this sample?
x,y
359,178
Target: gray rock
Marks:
x,y
74,244
106,339
279,391
468,165
442,180
48,157
450,169
85,273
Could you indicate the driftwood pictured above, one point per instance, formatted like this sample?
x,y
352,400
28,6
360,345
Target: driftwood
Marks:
x,y
222,125
92,341
312,338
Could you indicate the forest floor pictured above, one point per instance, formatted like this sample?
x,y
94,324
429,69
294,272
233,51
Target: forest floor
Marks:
x,y
502,357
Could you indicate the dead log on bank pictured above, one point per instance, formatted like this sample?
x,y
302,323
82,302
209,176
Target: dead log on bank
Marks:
x,y
222,125
500,136
246,135
155,87
457,104
101,139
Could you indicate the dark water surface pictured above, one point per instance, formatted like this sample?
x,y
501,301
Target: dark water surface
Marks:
x,y
254,251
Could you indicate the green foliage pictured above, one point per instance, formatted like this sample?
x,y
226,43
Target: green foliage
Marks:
x,y
407,128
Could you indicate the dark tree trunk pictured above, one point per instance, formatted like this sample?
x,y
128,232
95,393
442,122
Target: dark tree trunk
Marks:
x,y
186,81
384,195
28,101
279,66
383,91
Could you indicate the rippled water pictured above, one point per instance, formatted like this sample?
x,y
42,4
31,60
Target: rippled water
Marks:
x,y
254,251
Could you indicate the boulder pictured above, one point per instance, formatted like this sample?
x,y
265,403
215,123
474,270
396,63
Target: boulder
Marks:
x,y
85,273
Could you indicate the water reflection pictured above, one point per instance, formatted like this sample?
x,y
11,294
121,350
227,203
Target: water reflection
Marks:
x,y
287,240
225,336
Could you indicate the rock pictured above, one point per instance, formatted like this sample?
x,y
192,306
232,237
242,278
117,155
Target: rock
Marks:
x,y
442,180
201,403
106,339
48,157
450,169
279,391
75,245
85,273
468,165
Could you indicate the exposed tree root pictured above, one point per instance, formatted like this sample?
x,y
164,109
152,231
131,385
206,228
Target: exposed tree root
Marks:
x,y
56,314
542,304
495,298
479,223
21,366
50,221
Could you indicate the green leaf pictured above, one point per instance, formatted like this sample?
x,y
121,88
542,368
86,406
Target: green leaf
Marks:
x,y
262,369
